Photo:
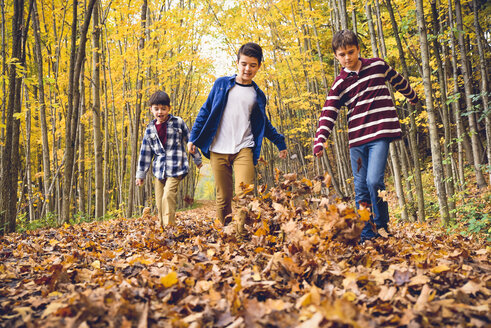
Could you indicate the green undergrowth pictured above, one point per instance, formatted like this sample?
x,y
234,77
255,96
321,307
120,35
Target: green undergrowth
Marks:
x,y
472,212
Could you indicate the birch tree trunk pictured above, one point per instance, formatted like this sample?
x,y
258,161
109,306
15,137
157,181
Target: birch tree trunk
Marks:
x,y
434,139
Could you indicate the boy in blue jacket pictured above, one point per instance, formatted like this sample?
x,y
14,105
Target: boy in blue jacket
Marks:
x,y
230,128
164,142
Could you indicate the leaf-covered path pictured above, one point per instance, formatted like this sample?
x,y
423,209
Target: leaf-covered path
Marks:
x,y
299,267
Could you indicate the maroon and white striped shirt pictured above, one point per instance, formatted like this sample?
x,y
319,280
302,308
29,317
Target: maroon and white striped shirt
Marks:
x,y
371,112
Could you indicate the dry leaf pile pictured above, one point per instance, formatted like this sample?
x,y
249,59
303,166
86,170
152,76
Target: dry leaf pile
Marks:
x,y
298,265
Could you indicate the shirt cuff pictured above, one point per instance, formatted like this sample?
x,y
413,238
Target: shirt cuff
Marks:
x,y
318,148
141,174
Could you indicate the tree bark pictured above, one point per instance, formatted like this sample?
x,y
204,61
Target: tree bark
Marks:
x,y
10,157
81,179
4,84
77,56
42,104
484,85
450,179
394,156
465,143
135,123
413,126
96,113
371,29
481,182
435,145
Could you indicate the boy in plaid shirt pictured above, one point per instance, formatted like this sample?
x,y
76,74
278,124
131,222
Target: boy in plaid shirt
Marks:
x,y
164,141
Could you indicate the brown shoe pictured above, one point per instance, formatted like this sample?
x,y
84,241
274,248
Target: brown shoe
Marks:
x,y
240,218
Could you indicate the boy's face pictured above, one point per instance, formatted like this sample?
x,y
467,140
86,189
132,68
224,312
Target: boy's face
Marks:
x,y
247,67
348,57
160,112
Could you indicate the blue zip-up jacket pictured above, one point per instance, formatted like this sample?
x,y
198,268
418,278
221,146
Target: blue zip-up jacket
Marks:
x,y
206,125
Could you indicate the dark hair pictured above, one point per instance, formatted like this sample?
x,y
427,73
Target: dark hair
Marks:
x,y
343,39
159,98
251,49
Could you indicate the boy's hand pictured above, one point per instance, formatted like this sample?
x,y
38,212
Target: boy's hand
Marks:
x,y
139,182
191,147
199,166
319,153
283,153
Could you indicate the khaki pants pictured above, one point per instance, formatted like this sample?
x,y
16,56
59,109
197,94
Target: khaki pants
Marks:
x,y
223,165
165,198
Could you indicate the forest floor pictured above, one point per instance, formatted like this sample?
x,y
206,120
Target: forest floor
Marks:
x,y
298,265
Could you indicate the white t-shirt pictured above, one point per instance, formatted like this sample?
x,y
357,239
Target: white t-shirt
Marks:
x,y
234,131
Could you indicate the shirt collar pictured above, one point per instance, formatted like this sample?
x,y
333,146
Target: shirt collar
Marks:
x,y
232,82
346,73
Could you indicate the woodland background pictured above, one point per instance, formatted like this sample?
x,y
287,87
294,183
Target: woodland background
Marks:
x,y
76,76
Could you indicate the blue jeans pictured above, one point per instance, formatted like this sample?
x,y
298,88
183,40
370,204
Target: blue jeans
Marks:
x,y
368,163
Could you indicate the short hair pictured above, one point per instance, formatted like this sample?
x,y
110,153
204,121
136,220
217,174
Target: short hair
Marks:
x,y
251,49
343,39
159,98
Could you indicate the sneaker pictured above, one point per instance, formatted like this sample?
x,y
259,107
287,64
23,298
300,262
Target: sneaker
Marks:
x,y
240,220
384,232
364,240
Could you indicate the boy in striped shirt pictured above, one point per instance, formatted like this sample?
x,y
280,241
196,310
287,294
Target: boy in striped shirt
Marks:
x,y
372,122
163,146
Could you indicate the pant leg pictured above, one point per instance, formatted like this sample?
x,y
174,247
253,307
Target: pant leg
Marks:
x,y
159,192
244,173
243,169
169,200
359,165
222,172
377,162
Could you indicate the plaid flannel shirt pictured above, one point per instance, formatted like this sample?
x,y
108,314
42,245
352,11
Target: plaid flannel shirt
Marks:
x,y
169,160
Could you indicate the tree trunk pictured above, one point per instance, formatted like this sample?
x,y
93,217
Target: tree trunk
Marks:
x,y
465,143
484,85
77,56
481,182
380,29
96,113
371,29
450,180
106,183
28,167
435,145
135,123
10,157
81,176
413,126
42,104
394,156
4,84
